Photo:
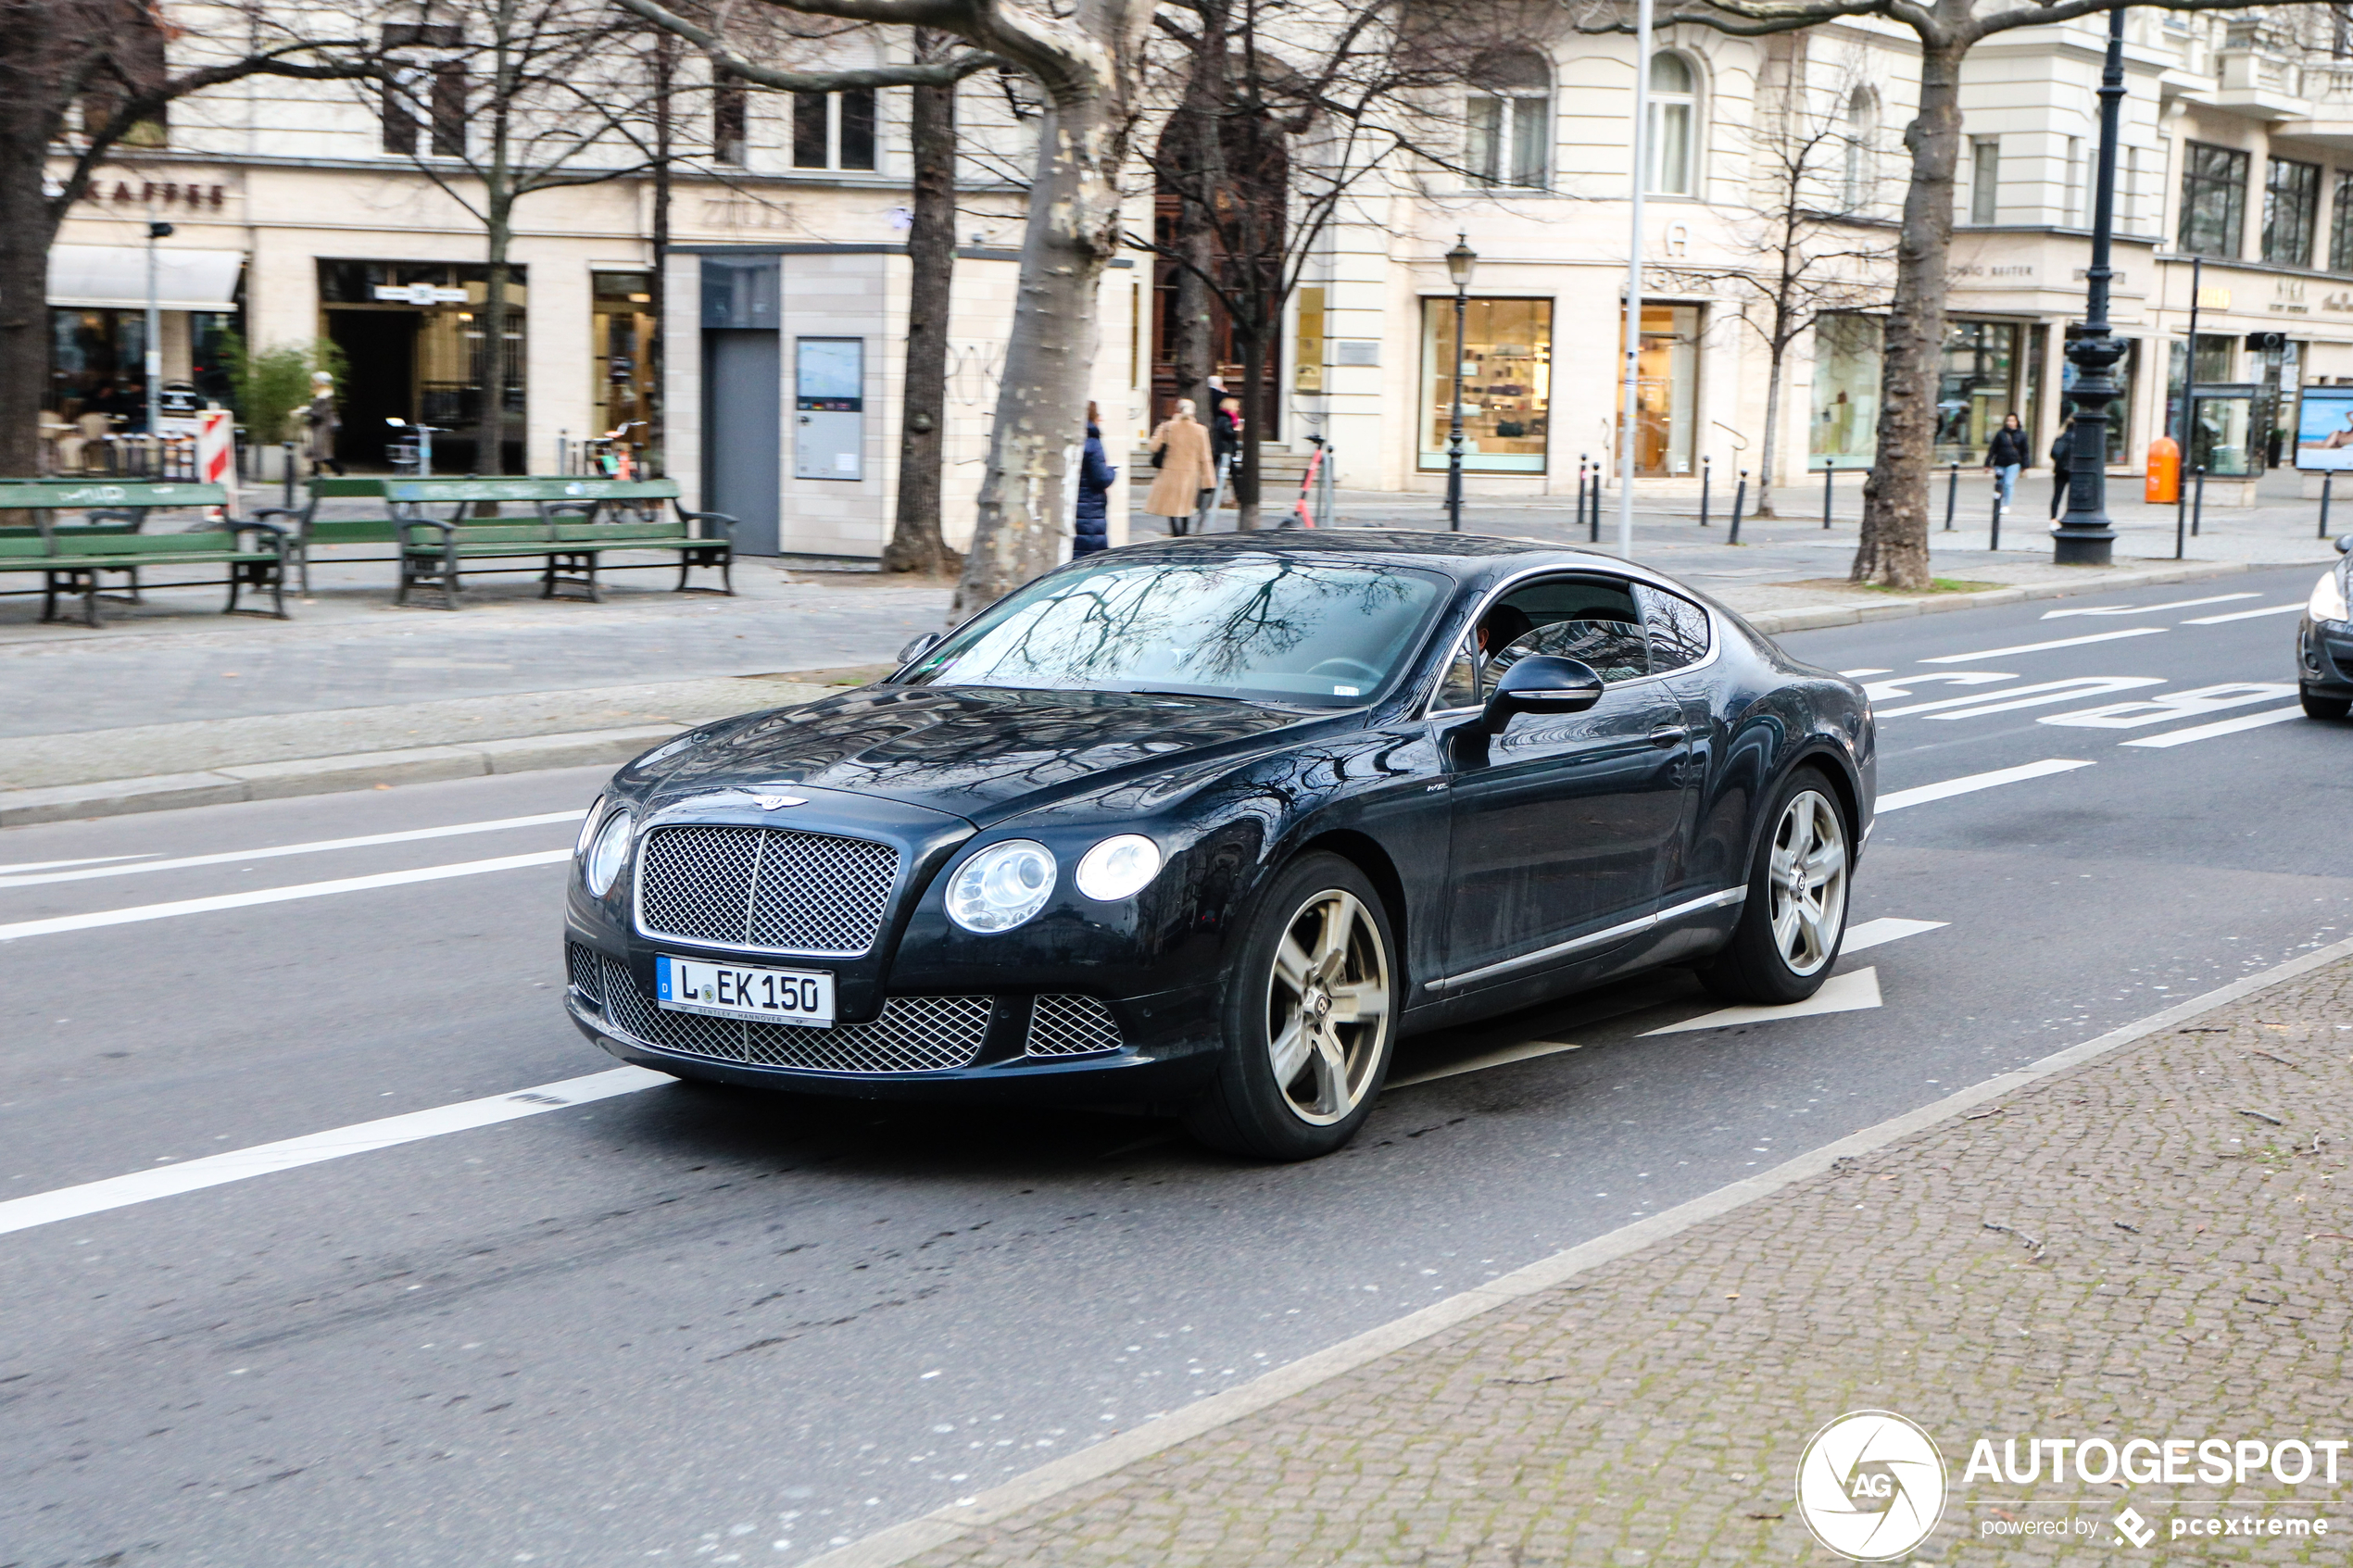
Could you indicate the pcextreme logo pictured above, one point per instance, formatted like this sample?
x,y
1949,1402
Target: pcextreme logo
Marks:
x,y
1870,1486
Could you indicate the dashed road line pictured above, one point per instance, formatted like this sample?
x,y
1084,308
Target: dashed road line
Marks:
x,y
1969,783
2245,614
2045,647
1856,991
2227,727
2145,610
233,856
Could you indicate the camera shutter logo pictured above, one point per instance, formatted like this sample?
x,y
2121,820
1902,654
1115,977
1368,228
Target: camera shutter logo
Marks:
x,y
1870,1486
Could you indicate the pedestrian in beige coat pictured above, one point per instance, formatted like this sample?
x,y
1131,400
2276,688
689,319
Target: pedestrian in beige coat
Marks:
x,y
1187,475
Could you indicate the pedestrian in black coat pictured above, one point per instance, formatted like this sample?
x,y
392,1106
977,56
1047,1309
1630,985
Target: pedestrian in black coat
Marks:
x,y
1090,529
2062,453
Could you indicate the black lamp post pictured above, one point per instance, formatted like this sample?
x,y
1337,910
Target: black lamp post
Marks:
x,y
2083,536
1459,262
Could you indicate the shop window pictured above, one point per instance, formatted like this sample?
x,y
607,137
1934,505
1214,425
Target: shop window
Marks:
x,y
622,324
2341,225
1985,179
2291,209
1844,433
414,335
1666,391
1506,375
730,119
1674,119
1976,387
1510,117
2215,353
834,129
2213,200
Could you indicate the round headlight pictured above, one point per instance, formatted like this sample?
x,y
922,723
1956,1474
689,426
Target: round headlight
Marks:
x,y
587,825
1118,868
1001,886
2328,600
606,853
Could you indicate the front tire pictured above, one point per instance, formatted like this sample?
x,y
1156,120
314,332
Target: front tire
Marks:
x,y
1310,1018
1794,920
2319,707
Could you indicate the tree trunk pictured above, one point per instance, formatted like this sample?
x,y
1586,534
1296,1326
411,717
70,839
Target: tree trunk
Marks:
x,y
1072,232
1189,345
1773,355
915,543
24,313
1250,454
1893,552
490,437
657,390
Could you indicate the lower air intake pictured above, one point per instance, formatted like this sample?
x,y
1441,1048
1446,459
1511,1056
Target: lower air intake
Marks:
x,y
913,1034
1071,1026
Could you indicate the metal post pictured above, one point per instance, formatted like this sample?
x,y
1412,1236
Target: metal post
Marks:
x,y
1593,533
286,449
1633,344
1996,543
1580,486
1952,494
2189,401
2083,536
2197,511
1454,425
1828,466
2326,479
1704,474
1740,499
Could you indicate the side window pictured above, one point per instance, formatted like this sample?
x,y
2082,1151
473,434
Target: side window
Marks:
x,y
1459,686
1592,619
1678,628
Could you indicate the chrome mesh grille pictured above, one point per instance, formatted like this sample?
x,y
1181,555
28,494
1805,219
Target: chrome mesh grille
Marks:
x,y
913,1034
581,964
1071,1026
764,887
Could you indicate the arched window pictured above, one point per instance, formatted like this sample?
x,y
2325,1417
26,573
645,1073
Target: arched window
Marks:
x,y
1510,120
1674,116
1862,125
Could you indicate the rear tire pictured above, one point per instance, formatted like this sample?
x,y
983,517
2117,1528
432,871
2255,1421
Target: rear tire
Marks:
x,y
1310,1018
2319,707
1794,920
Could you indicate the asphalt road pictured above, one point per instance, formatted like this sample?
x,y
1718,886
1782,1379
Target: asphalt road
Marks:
x,y
678,1325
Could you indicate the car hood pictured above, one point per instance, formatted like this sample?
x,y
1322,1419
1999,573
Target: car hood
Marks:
x,y
978,752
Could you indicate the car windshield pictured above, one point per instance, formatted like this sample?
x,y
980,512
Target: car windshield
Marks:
x,y
1259,628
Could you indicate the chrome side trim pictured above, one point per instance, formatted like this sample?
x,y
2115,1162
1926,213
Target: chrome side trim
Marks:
x,y
1715,900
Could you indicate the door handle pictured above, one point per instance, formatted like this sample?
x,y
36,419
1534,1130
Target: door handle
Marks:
x,y
1667,734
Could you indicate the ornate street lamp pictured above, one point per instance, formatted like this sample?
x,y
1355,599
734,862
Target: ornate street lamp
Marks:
x,y
2083,536
1459,262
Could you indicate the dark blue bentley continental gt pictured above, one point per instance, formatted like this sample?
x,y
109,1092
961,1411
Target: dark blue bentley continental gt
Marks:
x,y
1204,826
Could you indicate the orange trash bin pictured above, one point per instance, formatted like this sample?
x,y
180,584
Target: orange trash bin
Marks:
x,y
2163,482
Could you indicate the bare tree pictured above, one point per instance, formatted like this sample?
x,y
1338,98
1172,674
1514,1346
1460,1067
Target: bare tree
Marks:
x,y
87,75
1289,109
1893,552
1821,244
1087,63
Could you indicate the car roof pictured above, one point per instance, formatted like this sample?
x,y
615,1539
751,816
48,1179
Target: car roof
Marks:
x,y
1468,557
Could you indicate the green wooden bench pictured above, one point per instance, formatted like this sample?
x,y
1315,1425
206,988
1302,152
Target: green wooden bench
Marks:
x,y
73,557
567,537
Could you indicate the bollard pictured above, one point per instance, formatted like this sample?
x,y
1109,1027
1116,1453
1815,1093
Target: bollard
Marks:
x,y
1593,518
1704,476
1828,467
1580,487
1996,544
1952,496
2197,505
287,448
1740,498
2326,480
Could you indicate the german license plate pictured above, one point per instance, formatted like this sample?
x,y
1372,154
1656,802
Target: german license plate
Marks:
x,y
724,990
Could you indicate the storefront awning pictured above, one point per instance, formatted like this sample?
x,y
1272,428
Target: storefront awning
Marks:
x,y
117,275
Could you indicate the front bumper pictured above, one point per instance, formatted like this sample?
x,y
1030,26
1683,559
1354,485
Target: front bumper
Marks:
x,y
1007,1047
2324,657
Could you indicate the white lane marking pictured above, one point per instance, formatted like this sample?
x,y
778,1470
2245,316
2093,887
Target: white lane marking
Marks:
x,y
2171,705
2145,610
274,895
2043,647
1526,1050
2227,727
1879,932
1970,783
2245,614
1858,674
1879,691
262,1160
364,841
1856,991
85,861
2035,695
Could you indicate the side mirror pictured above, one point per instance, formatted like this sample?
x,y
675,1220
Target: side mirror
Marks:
x,y
1542,684
919,648
2345,544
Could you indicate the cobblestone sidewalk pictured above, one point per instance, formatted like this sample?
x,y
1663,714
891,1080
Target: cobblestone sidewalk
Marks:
x,y
2150,1244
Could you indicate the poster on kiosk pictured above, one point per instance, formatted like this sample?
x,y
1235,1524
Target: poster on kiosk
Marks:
x,y
2324,429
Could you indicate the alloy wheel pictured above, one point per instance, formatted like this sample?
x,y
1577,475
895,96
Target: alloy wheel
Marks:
x,y
1327,995
1809,880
